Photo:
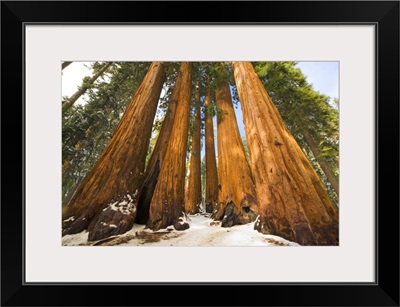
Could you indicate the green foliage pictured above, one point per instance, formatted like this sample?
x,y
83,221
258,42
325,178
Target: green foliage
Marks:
x,y
321,174
86,129
303,109
220,113
211,110
221,72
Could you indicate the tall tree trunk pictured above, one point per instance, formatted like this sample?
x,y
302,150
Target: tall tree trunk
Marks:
x,y
157,156
211,199
237,202
333,180
106,201
293,201
65,65
167,205
70,101
193,196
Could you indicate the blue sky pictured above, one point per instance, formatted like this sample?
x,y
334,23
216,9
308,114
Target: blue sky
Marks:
x,y
324,77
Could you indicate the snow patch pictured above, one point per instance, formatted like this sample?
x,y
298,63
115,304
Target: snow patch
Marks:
x,y
75,239
182,219
71,219
125,206
200,233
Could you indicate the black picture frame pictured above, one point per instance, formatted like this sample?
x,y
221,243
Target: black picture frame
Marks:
x,y
383,14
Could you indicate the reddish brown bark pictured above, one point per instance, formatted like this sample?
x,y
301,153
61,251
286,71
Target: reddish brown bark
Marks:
x,y
193,196
211,198
293,201
105,203
157,156
167,204
237,202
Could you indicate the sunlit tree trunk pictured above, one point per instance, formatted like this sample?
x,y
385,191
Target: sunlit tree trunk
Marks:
x,y
211,197
237,202
67,104
105,203
293,201
157,156
167,205
193,196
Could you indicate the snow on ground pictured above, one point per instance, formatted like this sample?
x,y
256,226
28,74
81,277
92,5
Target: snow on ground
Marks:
x,y
76,239
203,231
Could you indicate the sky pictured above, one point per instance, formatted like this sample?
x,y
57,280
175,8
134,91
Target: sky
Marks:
x,y
72,77
323,76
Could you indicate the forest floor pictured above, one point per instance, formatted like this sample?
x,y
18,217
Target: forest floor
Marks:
x,y
203,231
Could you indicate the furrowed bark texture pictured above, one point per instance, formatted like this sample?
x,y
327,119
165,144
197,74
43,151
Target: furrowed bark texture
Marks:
x,y
211,198
105,203
293,201
237,201
167,205
157,156
193,196
333,180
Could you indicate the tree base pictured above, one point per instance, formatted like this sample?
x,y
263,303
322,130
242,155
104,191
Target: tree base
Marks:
x,y
180,224
110,223
209,208
72,226
117,218
230,216
300,233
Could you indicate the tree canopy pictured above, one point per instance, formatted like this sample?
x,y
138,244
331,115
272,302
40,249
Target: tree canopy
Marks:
x,y
89,128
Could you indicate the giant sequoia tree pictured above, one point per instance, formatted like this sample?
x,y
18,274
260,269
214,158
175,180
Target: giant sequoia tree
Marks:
x,y
293,201
134,172
193,195
87,129
237,202
105,203
307,114
168,202
157,155
211,195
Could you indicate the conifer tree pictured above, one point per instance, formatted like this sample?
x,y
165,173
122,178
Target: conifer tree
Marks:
x,y
106,202
293,201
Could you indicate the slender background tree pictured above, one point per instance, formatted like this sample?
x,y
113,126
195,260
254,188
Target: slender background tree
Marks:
x,y
141,160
